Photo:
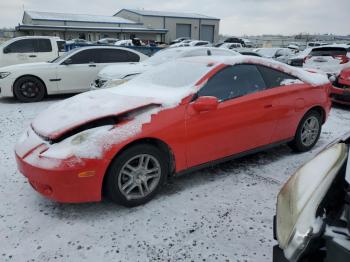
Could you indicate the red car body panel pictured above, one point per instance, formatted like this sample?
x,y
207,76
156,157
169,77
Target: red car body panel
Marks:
x,y
341,92
194,138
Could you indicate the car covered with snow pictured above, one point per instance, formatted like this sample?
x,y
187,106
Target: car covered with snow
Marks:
x,y
299,58
312,220
70,73
330,59
117,74
277,53
186,43
30,49
340,92
177,117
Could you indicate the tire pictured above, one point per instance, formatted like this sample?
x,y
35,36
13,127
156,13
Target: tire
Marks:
x,y
29,89
308,132
126,174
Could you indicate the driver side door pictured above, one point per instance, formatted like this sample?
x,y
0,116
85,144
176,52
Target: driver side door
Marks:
x,y
243,120
76,72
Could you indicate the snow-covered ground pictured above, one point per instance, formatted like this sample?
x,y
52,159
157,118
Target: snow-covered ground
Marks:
x,y
222,213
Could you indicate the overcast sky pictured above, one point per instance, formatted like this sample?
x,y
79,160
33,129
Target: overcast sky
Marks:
x,y
238,17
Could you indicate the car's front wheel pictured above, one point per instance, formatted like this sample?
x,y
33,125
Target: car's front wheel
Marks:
x,y
308,132
136,175
29,89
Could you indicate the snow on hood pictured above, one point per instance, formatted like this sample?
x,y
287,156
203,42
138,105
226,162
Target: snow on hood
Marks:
x,y
81,109
120,71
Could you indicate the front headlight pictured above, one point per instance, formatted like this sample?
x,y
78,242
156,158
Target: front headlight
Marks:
x,y
115,82
4,74
300,197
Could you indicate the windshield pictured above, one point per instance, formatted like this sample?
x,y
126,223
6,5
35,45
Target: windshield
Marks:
x,y
62,57
168,83
164,56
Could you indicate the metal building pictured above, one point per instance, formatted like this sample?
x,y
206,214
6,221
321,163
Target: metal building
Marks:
x,y
88,27
192,25
125,24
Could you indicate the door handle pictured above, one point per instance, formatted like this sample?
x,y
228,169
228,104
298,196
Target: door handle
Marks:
x,y
267,106
92,65
32,56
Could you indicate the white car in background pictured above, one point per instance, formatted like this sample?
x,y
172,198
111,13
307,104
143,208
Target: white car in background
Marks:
x,y
192,43
330,59
127,42
29,49
70,73
279,54
231,45
117,74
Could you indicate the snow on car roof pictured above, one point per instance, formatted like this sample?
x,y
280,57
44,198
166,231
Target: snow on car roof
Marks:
x,y
306,76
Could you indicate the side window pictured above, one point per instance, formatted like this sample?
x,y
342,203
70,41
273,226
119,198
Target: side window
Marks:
x,y
43,45
21,46
60,46
273,77
234,81
85,57
117,56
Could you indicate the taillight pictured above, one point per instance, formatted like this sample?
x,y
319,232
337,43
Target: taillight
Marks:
x,y
342,58
306,58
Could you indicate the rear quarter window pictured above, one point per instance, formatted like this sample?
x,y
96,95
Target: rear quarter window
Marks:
x,y
328,51
274,78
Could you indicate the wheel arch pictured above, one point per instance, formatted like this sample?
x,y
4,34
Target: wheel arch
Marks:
x,y
160,144
28,75
319,109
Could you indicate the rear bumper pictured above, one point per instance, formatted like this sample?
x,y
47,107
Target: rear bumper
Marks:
x,y
340,95
70,182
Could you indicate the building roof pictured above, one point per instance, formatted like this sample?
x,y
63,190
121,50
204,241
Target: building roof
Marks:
x,y
89,28
48,16
168,14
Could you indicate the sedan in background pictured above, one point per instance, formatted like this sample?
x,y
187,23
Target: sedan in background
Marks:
x,y
278,54
329,59
340,92
180,116
299,58
71,73
312,222
118,74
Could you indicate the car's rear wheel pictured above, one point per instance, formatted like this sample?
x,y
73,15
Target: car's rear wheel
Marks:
x,y
29,89
136,175
308,132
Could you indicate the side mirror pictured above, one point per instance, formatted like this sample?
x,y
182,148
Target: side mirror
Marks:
x,y
68,61
205,103
6,50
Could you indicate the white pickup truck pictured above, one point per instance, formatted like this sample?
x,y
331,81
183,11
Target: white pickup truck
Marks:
x,y
29,49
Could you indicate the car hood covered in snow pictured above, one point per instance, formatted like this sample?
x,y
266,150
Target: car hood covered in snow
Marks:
x,y
82,109
122,70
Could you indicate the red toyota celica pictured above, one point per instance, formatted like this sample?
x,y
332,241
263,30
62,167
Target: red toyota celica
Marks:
x,y
184,115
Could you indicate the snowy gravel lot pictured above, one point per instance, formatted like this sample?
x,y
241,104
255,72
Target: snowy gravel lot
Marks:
x,y
222,213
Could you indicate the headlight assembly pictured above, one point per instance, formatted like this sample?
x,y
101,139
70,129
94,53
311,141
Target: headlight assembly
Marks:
x,y
4,74
301,196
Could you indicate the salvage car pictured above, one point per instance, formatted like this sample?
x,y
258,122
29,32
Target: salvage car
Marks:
x,y
330,59
278,54
177,117
70,73
312,222
117,74
340,92
30,49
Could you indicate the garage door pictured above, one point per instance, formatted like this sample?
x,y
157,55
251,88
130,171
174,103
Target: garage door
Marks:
x,y
207,33
183,30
